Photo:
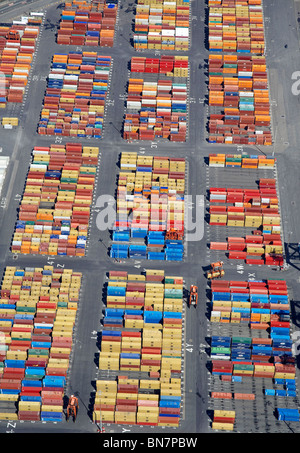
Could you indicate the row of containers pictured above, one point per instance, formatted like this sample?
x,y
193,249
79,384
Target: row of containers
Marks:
x,y
9,122
55,207
239,100
77,88
238,91
244,160
162,25
150,208
17,48
223,420
236,26
38,309
246,208
134,401
254,303
88,24
157,107
142,333
266,352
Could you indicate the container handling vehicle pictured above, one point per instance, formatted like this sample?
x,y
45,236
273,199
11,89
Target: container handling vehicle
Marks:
x,y
193,296
13,35
72,408
216,270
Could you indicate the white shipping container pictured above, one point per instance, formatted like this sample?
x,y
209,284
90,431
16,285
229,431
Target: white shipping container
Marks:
x,y
134,105
56,76
165,32
215,38
16,242
182,31
38,166
4,160
245,73
219,357
12,44
248,94
148,102
70,77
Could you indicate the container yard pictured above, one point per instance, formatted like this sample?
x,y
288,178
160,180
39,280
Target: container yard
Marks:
x,y
253,349
252,212
142,332
55,207
88,24
150,208
74,101
149,219
38,312
17,48
156,106
238,74
236,26
162,25
238,88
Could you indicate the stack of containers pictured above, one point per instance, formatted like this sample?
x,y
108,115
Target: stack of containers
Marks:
x,y
10,122
269,311
239,100
290,415
247,356
240,350
170,65
241,161
105,401
223,368
75,97
236,26
250,208
266,355
91,24
157,108
238,83
256,303
162,25
132,401
55,207
223,420
220,348
148,340
152,189
169,405
37,314
16,55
